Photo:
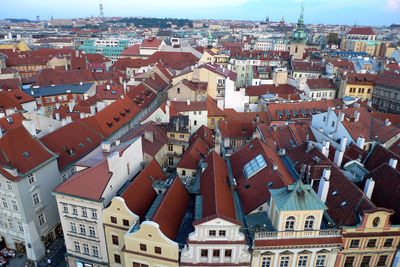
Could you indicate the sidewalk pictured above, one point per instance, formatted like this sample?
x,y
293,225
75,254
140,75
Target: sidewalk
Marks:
x,y
56,255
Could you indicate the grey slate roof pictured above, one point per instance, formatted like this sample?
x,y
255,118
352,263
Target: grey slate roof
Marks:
x,y
58,89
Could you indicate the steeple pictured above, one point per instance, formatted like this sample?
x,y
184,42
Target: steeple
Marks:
x,y
299,36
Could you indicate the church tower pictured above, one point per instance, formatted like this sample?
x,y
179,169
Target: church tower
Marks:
x,y
297,45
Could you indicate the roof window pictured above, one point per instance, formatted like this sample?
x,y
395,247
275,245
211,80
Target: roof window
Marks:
x,y
254,166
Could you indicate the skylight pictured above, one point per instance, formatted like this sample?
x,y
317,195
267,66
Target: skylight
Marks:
x,y
254,165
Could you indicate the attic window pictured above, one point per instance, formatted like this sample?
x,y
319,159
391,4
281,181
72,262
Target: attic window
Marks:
x,y
116,119
26,154
254,165
109,124
334,193
270,184
113,92
81,145
89,139
127,110
10,120
123,114
344,203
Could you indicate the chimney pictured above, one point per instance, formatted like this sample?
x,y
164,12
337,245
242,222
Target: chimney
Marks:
x,y
356,116
1,132
71,106
148,135
343,144
360,142
393,163
108,87
323,188
105,147
387,122
63,122
92,110
309,146
177,124
76,53
125,87
340,116
188,101
338,157
68,119
82,115
57,105
369,187
57,116
275,167
325,148
117,142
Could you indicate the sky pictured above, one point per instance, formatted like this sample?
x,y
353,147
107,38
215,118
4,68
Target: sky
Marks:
x,y
360,12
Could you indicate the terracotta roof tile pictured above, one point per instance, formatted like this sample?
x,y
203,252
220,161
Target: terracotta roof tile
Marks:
x,y
362,31
172,209
140,194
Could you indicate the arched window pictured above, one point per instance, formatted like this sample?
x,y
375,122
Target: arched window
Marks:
x,y
309,224
289,226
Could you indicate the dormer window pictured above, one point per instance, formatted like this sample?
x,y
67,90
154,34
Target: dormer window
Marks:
x,y
289,225
309,223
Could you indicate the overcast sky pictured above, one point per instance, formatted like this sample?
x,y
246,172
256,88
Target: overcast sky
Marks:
x,y
361,12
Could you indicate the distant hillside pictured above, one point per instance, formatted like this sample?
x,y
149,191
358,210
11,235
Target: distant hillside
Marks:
x,y
155,22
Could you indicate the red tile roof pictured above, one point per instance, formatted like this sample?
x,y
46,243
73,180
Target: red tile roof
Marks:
x,y
13,99
182,106
362,31
21,151
124,63
253,191
281,90
380,155
133,50
204,133
10,84
89,183
32,60
321,83
232,115
389,79
213,109
193,154
237,128
308,66
48,77
359,78
219,70
151,42
109,92
217,196
140,194
174,60
348,201
11,121
65,139
172,209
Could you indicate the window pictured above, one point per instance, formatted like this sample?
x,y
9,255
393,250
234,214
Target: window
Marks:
x,y
354,243
91,231
254,165
82,229
42,220
9,186
266,262
216,253
10,224
31,178
178,90
94,214
84,212
157,250
181,136
5,203
333,124
382,260
349,261
172,135
86,249
65,208
194,122
113,219
233,143
212,233
117,258
77,246
74,210
284,262
36,199
222,233
324,118
320,261
170,147
143,247
95,250
376,221
213,121
115,240
204,253
309,224
125,222
228,253
14,205
171,161
73,227
388,242
20,227
289,225
365,261
302,261
371,243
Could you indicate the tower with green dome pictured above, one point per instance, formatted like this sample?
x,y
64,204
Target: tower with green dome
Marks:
x,y
297,45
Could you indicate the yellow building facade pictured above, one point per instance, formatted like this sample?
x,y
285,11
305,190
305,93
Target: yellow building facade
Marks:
x,y
373,243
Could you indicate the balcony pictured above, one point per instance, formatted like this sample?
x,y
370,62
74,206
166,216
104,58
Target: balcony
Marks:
x,y
298,234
